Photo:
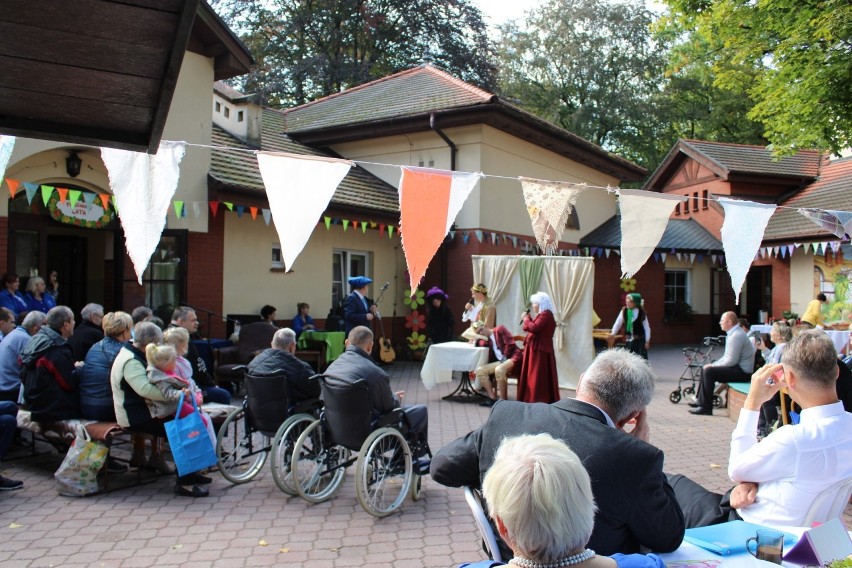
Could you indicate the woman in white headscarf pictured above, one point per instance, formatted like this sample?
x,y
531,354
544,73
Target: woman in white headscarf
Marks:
x,y
539,381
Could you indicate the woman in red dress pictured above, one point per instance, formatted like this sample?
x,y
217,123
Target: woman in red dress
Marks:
x,y
539,381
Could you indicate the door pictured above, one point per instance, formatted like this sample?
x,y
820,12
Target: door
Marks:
x,y
758,292
68,255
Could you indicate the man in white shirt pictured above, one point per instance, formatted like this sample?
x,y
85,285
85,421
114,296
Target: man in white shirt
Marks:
x,y
735,366
780,477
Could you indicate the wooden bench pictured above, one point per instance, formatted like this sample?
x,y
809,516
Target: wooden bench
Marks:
x,y
61,435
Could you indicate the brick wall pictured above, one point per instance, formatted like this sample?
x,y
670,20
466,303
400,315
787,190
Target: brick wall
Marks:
x,y
205,269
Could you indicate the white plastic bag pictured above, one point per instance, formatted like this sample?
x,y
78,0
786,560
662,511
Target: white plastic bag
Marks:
x,y
78,474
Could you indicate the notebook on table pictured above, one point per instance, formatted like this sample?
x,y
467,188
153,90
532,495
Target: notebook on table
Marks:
x,y
729,538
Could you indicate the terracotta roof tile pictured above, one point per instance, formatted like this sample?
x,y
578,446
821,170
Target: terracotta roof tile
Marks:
x,y
359,188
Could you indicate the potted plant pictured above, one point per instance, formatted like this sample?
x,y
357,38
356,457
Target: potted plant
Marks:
x,y
678,312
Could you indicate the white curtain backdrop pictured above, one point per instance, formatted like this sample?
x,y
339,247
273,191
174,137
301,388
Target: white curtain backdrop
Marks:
x,y
570,283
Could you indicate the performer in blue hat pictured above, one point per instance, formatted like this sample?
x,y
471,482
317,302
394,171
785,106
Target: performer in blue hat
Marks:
x,y
358,309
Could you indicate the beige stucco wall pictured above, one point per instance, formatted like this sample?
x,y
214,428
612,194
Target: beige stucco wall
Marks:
x,y
496,204
43,161
801,280
249,283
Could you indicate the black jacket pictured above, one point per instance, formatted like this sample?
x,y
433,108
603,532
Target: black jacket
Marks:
x,y
49,377
86,335
273,362
636,505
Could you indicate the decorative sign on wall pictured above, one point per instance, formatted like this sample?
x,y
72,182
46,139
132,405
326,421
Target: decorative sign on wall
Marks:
x,y
81,214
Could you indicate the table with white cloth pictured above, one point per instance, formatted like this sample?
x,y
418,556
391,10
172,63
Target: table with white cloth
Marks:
x,y
444,358
839,338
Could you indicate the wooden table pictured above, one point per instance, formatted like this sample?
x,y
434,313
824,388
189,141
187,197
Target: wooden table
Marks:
x,y
604,335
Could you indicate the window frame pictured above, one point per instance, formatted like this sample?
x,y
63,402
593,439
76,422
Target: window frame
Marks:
x,y
343,258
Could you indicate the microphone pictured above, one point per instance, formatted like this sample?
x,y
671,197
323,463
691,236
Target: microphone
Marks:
x,y
385,286
526,312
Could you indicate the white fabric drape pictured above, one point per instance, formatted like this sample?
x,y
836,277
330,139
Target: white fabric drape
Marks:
x,y
143,186
7,144
742,232
298,188
644,216
570,283
495,272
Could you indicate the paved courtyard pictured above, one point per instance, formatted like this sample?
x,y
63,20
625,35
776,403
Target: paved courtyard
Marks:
x,y
257,525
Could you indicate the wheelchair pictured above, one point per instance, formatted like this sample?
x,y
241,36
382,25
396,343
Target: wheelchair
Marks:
x,y
384,472
245,438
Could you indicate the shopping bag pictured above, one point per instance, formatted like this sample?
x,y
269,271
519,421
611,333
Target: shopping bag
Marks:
x,y
190,444
78,473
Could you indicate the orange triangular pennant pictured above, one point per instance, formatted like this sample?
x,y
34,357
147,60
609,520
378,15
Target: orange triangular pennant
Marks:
x,y
63,193
13,186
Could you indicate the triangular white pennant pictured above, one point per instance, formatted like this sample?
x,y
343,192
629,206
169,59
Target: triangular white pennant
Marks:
x,y
713,258
742,232
775,252
7,144
299,189
679,259
663,256
692,258
196,209
644,216
607,251
267,216
143,186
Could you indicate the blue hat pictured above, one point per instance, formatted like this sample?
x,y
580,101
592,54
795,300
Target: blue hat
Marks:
x,y
359,281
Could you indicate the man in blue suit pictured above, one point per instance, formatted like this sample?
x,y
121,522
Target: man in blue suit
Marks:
x,y
357,308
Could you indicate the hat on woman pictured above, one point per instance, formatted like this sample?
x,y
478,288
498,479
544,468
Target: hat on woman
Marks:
x,y
434,291
637,298
479,288
359,281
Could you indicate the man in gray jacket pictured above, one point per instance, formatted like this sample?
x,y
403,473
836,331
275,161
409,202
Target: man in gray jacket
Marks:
x,y
735,366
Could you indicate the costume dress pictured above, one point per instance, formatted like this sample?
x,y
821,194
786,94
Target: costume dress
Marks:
x,y
538,380
637,332
355,310
439,323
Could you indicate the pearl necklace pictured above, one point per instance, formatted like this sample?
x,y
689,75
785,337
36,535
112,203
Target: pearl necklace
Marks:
x,y
567,561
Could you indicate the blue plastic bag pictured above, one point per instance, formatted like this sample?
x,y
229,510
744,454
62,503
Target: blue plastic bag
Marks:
x,y
190,444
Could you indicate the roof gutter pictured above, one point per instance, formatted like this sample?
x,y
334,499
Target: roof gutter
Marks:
x,y
453,149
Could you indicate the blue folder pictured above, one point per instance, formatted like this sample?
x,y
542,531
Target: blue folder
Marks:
x,y
729,538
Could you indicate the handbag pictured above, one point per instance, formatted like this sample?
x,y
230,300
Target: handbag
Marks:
x,y
78,473
190,444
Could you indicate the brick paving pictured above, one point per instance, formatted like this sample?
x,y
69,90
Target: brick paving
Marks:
x,y
255,524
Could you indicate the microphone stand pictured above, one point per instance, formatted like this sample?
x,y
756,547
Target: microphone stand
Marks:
x,y
210,314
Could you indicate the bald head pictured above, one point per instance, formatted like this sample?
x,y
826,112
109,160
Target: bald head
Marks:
x,y
361,337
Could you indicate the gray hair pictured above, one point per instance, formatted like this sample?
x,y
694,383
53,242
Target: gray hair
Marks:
x,y
145,333
360,336
283,338
33,282
783,330
543,300
33,320
141,313
620,382
811,356
181,313
91,310
542,494
58,316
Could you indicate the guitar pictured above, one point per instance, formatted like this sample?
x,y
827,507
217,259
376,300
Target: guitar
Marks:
x,y
386,352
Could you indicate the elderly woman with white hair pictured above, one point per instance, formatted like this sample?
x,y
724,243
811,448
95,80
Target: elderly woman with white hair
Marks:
x,y
538,381
540,497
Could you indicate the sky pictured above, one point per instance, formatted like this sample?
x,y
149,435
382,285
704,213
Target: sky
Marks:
x,y
498,11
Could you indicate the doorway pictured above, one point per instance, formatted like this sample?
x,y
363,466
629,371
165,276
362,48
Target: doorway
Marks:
x,y
758,292
68,256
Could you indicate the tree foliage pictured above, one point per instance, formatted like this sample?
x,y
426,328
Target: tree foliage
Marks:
x,y
792,58
590,67
307,49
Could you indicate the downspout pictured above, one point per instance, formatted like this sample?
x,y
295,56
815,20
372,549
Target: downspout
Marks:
x,y
445,138
453,151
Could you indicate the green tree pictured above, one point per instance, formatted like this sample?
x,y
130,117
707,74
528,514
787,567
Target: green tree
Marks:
x,y
591,67
307,49
792,58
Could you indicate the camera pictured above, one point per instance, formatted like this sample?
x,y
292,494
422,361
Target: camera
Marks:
x,y
755,334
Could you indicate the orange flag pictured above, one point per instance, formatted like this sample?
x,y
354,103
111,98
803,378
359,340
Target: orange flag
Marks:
x,y
63,193
429,201
104,197
13,186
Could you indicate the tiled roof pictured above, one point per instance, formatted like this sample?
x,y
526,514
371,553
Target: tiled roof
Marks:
x,y
411,92
832,191
740,158
684,235
359,188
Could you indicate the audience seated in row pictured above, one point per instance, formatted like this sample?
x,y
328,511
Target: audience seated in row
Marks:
x,y
88,332
10,355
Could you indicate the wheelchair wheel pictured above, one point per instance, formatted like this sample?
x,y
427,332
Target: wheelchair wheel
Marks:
x,y
240,449
416,487
718,402
383,472
689,391
316,468
282,451
675,396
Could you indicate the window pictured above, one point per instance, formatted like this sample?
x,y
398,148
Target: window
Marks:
x,y
218,106
694,195
164,280
344,265
277,261
677,209
240,116
677,299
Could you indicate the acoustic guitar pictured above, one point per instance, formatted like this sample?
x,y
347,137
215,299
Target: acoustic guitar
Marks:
x,y
386,352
